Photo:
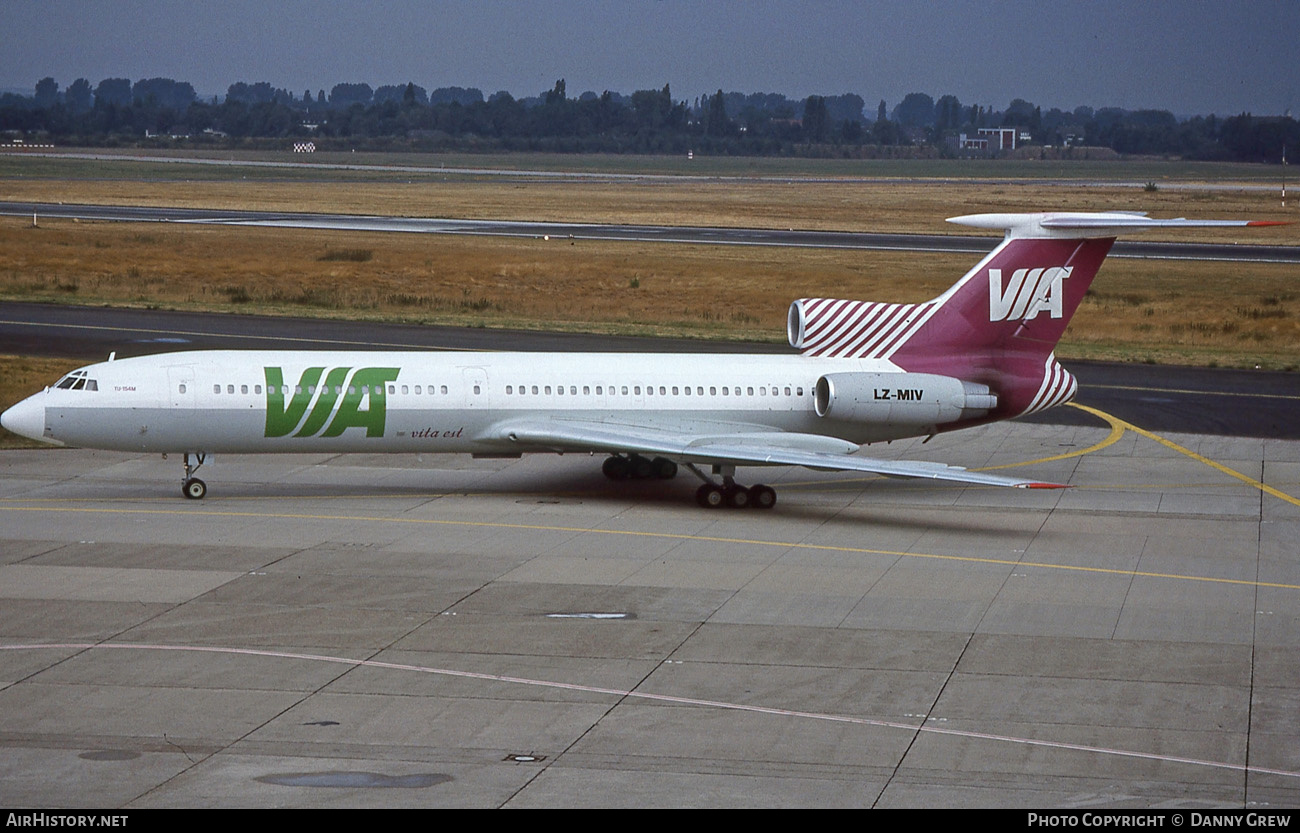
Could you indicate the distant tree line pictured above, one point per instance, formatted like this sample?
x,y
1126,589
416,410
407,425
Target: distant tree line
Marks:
x,y
118,111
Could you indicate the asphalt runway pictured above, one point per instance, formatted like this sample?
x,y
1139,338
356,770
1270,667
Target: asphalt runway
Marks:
x,y
373,630
662,234
527,174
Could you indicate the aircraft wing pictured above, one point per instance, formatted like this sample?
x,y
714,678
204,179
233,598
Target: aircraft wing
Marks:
x,y
738,444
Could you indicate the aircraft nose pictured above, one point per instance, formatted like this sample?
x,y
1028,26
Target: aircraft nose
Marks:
x,y
26,419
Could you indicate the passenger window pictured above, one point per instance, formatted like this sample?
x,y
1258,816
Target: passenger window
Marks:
x,y
625,390
662,391
444,388
573,390
724,391
560,390
713,391
534,390
750,391
586,390
257,389
599,390
675,390
477,390
405,389
418,389
509,390
216,388
243,388
182,387
548,390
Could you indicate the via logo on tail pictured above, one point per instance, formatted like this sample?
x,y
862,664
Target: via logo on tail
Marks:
x,y
1028,293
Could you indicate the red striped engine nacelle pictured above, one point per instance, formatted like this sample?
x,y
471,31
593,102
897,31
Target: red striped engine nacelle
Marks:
x,y
838,328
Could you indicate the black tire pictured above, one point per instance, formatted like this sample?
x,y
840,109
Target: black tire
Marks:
x,y
709,496
642,468
194,489
737,497
762,497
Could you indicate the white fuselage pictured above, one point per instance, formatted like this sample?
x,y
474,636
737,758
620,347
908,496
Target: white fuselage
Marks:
x,y
261,401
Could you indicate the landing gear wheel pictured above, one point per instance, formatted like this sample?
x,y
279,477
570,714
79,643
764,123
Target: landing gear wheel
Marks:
x,y
737,497
709,496
191,486
762,497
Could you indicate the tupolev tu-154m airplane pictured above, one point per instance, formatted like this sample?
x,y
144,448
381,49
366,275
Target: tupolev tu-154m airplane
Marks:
x,y
865,372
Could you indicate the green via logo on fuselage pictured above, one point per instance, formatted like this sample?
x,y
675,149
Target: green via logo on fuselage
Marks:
x,y
367,385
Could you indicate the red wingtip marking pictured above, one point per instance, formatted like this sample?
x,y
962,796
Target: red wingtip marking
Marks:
x,y
1269,223
1047,486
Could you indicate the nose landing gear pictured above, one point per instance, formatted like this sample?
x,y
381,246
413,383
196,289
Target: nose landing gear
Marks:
x,y
191,486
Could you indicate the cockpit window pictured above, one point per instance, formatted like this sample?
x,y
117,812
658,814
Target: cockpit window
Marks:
x,y
77,380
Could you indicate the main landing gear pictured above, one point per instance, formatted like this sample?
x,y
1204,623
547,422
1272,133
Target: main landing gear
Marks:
x,y
712,495
191,486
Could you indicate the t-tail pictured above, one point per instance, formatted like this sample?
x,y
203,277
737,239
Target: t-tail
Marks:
x,y
999,325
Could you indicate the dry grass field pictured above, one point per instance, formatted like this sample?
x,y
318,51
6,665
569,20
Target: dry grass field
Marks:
x,y
916,206
1164,311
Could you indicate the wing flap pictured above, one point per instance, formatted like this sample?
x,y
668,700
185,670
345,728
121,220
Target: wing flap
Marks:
x,y
744,447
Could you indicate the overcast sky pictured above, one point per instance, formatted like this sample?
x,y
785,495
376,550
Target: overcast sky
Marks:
x,y
1190,57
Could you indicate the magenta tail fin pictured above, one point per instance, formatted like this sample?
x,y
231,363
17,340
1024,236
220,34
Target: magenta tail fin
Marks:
x,y
1000,323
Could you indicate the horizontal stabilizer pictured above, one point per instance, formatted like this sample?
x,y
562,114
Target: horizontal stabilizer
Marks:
x,y
1090,224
